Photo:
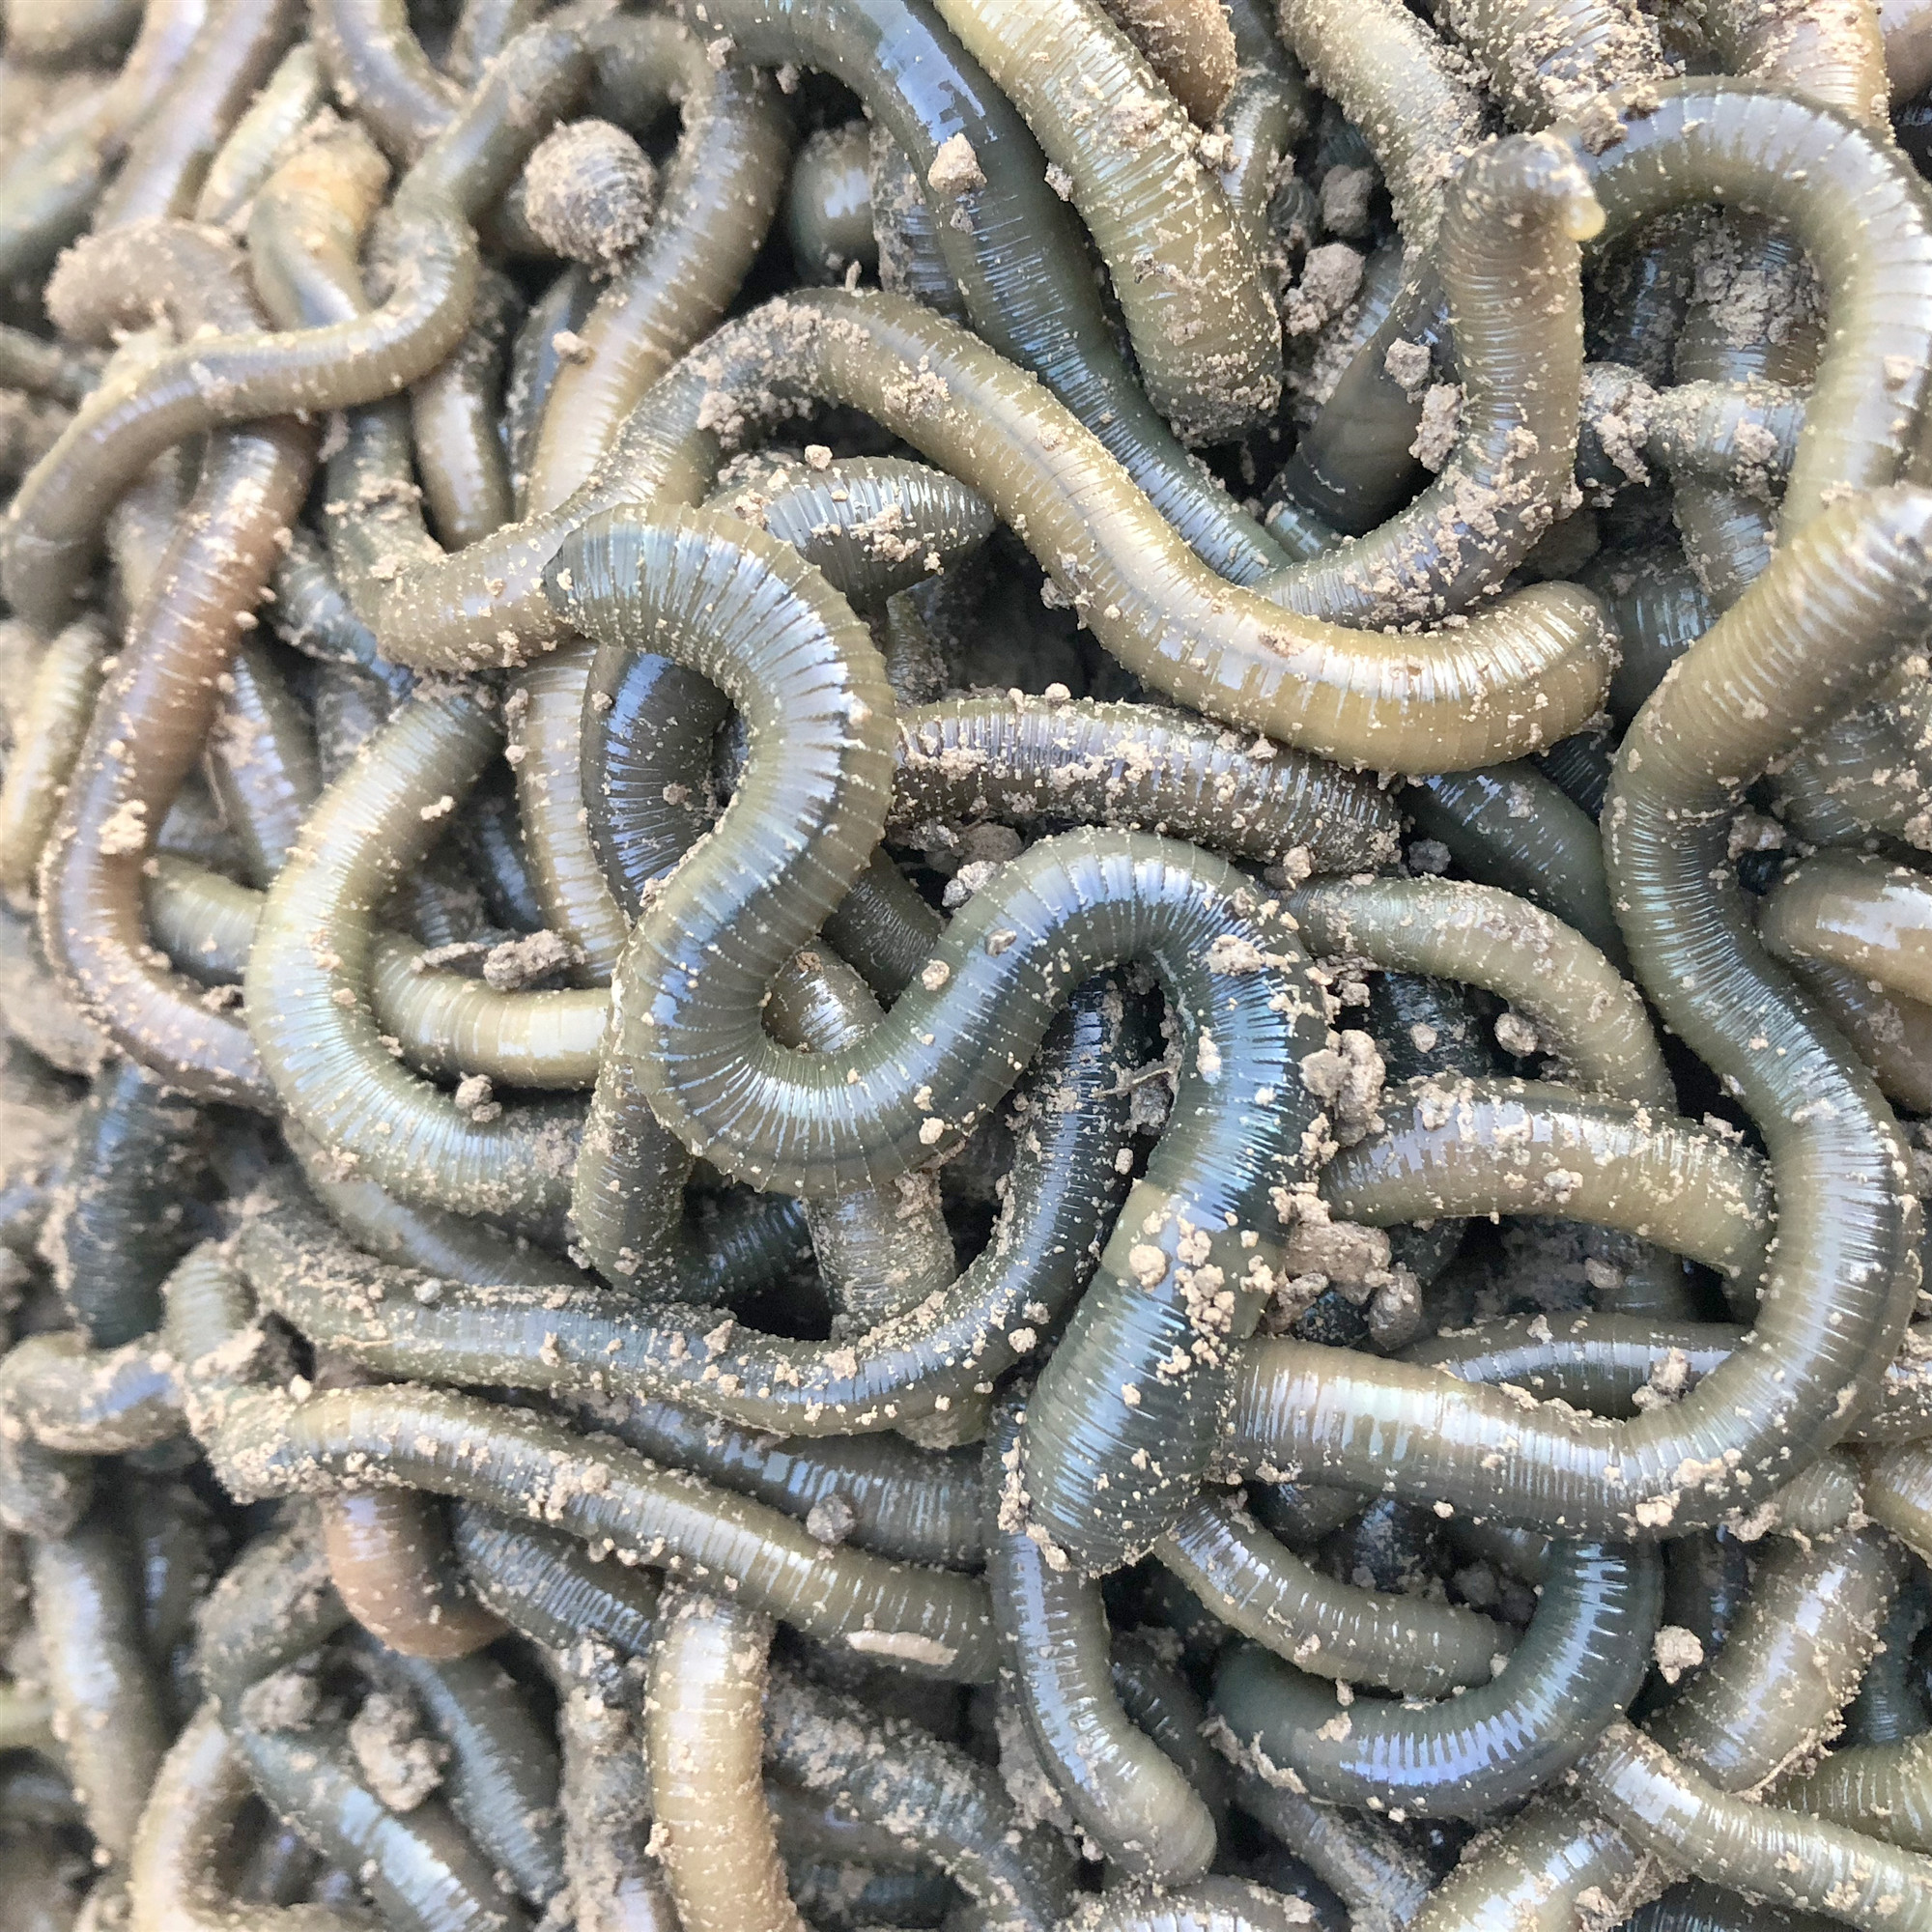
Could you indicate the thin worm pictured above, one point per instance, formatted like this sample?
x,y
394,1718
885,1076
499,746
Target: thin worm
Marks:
x,y
54,520
1669,1810
1511,826
200,1794
1362,1860
504,1771
615,1883
420,1868
155,713
262,1443
720,195
261,139
168,160
46,745
119,1225
1186,275
948,1809
106,1694
1068,1180
1261,1589
1018,261
453,412
1582,1009
1578,1666
1519,1146
1125,1791
883,1493
260,761
310,971
380,71
545,1584
704,1745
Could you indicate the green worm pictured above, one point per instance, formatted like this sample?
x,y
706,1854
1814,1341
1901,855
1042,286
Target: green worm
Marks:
x,y
1127,1795
1858,913
504,1773
261,762
545,1584
453,413
201,1792
153,715
948,1809
1893,1037
1843,594
1883,1790
1745,434
615,1883
1188,1190
420,1869
704,1744
105,1692
1066,1181
911,260
1261,1589
1576,1668
1018,259
46,745
1899,1493
379,70
1669,1810
535,362
54,520
1023,758
263,1444
1660,610
1162,1702
720,195
1791,1664
236,49
308,976
1208,1905
119,1227
1520,1147
1867,773
269,1609
1596,1024
263,138
1232,652
827,209
1511,826
1362,1860
909,1503
1185,273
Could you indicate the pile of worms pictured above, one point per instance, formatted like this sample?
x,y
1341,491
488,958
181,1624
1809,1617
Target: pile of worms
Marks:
x,y
965,964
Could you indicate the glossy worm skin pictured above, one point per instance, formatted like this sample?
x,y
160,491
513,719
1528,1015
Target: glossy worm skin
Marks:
x,y
1576,1668
53,522
683,1041
1364,1861
106,1694
1792,1661
390,1561
1127,1795
1016,258
419,1868
261,140
261,762
503,1768
199,1794
704,1745
309,998
1185,272
1668,1810
943,1806
1067,1184
829,217
544,1584
424,1438
1883,1790
47,746
1856,912
1261,1589
1445,701
377,68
